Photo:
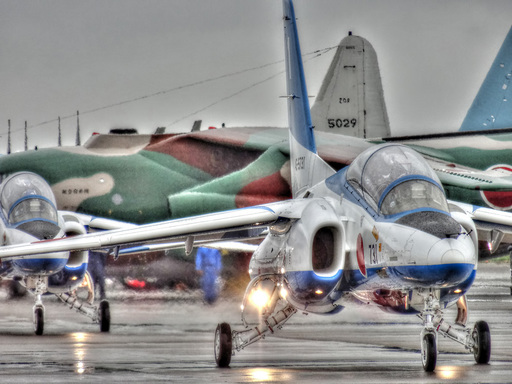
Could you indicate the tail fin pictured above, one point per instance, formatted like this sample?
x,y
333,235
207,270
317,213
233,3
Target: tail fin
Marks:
x,y
307,167
351,99
491,109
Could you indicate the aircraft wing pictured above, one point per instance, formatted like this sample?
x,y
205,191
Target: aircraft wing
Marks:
x,y
470,178
93,223
237,224
493,226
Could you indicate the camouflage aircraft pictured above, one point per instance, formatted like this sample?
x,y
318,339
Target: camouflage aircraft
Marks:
x,y
148,178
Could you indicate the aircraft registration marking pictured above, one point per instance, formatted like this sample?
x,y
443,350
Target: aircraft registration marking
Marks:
x,y
300,163
342,123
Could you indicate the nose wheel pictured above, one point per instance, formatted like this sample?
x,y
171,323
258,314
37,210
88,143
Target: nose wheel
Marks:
x,y
482,342
429,352
38,319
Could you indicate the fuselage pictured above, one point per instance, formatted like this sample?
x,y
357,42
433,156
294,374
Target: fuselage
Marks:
x,y
28,214
376,245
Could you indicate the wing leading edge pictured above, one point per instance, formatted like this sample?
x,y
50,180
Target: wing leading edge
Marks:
x,y
222,226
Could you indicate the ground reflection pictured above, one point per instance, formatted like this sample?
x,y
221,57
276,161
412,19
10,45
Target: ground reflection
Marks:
x,y
80,339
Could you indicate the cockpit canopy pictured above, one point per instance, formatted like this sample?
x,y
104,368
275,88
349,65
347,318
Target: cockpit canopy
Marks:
x,y
28,204
394,178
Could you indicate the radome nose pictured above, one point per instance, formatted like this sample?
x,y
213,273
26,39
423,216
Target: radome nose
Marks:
x,y
452,256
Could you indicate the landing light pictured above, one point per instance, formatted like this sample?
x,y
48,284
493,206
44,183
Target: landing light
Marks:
x,y
259,298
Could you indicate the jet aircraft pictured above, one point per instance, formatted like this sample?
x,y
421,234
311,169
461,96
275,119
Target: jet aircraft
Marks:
x,y
28,213
379,231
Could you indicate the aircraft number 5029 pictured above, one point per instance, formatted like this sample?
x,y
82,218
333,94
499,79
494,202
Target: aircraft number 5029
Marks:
x,y
342,123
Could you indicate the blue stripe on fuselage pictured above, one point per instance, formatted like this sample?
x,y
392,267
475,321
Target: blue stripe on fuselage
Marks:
x,y
40,266
310,287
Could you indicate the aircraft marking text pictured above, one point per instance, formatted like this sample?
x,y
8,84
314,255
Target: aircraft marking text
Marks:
x,y
342,123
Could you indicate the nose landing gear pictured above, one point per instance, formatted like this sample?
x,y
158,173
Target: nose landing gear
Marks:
x,y
477,341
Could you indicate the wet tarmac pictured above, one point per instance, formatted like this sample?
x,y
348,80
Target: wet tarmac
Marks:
x,y
163,337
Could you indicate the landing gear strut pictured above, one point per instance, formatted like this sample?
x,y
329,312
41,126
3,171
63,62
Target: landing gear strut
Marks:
x,y
227,341
477,341
99,314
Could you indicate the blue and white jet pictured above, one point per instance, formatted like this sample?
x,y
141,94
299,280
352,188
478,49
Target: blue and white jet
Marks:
x,y
28,214
379,231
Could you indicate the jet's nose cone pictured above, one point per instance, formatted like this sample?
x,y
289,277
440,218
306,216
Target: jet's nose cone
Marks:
x,y
442,263
452,256
454,260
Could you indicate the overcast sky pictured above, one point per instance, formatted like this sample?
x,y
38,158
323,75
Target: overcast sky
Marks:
x,y
60,56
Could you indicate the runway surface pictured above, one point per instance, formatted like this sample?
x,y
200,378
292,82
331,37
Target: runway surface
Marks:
x,y
161,337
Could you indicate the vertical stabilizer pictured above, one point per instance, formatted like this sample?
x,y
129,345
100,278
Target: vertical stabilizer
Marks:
x,y
351,99
492,107
307,168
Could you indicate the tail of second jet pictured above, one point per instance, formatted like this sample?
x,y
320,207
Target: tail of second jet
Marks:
x,y
351,99
491,107
307,168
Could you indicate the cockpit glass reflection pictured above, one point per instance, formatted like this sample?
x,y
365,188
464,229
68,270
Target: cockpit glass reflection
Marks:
x,y
394,179
28,204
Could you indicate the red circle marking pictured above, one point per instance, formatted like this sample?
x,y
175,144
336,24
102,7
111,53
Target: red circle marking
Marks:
x,y
498,200
360,255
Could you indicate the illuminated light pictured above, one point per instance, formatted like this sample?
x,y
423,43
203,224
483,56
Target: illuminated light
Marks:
x,y
79,352
250,271
283,293
489,246
80,367
79,337
282,270
458,290
242,307
74,278
319,291
449,372
259,375
259,298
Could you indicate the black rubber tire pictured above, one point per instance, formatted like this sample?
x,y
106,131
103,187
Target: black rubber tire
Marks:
x,y
104,316
38,321
429,352
482,338
223,346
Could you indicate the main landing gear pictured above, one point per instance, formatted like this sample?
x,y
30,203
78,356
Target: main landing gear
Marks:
x,y
477,341
99,314
227,341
